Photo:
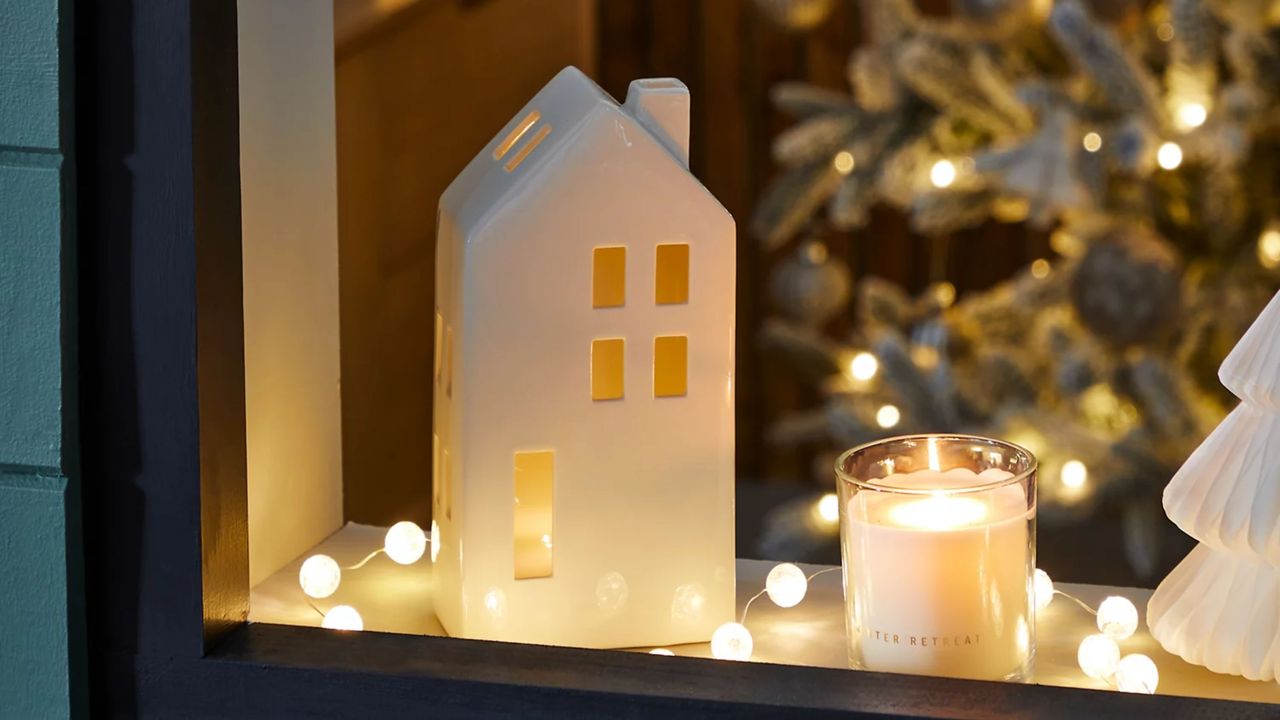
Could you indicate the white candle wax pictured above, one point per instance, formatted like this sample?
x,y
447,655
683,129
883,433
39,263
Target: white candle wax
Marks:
x,y
940,579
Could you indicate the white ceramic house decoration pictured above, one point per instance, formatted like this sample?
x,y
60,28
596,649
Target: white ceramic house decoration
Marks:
x,y
1220,607
583,433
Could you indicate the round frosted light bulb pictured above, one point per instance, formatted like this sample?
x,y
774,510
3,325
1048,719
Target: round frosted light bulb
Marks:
x,y
1092,142
1169,156
1137,673
1098,655
731,641
1117,617
829,508
405,542
1043,585
662,651
863,366
887,416
342,617
942,174
786,585
320,576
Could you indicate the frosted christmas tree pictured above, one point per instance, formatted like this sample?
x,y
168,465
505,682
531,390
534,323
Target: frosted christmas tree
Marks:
x,y
1220,607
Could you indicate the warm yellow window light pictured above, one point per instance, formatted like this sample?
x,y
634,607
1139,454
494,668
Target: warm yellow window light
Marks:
x,y
607,368
516,133
534,489
1169,156
526,149
609,277
671,279
670,365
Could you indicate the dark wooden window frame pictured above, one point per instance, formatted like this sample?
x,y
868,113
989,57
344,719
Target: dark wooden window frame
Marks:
x,y
162,386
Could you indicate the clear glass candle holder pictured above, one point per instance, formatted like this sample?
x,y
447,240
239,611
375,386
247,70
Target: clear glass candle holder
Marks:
x,y
938,538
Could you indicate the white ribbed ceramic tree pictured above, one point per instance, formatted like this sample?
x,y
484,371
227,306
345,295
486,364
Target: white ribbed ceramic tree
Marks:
x,y
1220,607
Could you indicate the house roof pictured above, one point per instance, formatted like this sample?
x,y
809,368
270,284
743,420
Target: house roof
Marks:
x,y
548,122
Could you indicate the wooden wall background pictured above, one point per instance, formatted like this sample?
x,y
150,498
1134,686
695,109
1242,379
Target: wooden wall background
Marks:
x,y
421,86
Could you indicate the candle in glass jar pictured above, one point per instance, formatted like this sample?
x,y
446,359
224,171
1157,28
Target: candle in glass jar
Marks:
x,y
938,567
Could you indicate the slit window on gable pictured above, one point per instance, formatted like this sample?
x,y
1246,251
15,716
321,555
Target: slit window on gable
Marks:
x,y
516,133
534,491
606,368
609,277
527,148
670,365
671,279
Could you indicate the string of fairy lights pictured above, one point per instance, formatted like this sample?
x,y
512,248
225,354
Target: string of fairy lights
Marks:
x,y
320,575
1187,116
786,586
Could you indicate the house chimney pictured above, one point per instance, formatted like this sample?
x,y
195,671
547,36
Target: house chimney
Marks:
x,y
662,106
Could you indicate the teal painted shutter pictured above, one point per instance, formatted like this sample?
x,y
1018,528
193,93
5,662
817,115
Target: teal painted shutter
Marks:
x,y
40,609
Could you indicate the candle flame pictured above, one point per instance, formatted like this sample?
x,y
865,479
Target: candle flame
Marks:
x,y
938,512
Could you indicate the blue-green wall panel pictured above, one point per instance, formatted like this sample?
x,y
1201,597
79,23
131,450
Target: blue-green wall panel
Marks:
x,y
30,313
34,647
29,97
